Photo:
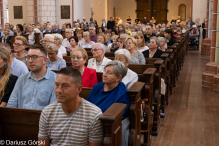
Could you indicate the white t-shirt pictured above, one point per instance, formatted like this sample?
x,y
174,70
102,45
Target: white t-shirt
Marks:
x,y
60,54
130,78
99,67
83,45
80,42
62,50
65,43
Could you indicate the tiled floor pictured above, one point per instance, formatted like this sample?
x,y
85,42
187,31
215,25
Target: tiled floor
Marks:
x,y
192,117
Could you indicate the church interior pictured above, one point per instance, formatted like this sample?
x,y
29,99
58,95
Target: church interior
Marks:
x,y
172,98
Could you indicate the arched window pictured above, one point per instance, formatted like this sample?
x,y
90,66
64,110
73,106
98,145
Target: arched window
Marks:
x,y
182,12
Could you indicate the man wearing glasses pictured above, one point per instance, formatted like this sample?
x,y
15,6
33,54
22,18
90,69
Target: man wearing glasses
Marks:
x,y
34,90
49,39
68,34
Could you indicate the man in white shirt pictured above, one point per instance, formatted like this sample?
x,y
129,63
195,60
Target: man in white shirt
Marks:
x,y
120,21
103,23
84,21
49,39
68,34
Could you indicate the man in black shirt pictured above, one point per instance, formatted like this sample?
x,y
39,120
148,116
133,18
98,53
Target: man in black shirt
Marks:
x,y
137,20
129,20
148,34
110,24
145,21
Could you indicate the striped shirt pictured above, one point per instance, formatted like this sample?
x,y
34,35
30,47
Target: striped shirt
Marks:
x,y
79,128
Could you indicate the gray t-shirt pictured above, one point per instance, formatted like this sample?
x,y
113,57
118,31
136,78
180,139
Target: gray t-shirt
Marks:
x,y
137,58
79,128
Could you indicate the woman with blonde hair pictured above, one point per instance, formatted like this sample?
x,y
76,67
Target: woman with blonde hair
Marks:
x,y
7,80
31,36
136,56
114,44
141,46
6,38
19,48
101,38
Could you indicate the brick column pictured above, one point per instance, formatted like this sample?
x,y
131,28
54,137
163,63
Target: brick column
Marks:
x,y
210,18
2,13
206,45
35,11
213,31
217,36
207,17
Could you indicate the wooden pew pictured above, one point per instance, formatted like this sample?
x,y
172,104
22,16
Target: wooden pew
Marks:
x,y
156,100
12,40
26,36
23,124
63,34
45,33
151,61
37,38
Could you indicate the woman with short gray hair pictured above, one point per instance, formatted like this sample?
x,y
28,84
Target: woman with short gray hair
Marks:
x,y
54,62
112,90
99,61
87,42
163,44
58,41
124,56
153,51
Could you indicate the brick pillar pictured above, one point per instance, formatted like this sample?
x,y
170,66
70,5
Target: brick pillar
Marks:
x,y
35,11
207,17
210,18
206,45
217,37
2,13
213,31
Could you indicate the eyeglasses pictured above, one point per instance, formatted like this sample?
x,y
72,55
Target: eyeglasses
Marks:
x,y
33,57
95,50
17,44
86,35
128,43
51,54
76,57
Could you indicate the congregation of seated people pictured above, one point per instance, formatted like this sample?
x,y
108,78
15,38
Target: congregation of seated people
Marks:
x,y
37,77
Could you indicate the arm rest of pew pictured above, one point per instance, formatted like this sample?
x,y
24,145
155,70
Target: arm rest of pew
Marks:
x,y
158,63
164,56
149,74
169,50
112,123
136,92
